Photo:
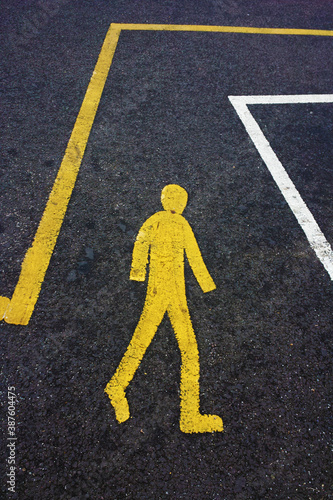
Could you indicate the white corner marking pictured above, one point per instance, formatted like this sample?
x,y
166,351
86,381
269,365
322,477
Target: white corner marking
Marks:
x,y
305,218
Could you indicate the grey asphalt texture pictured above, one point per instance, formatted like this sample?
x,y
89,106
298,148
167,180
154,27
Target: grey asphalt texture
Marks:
x,y
265,333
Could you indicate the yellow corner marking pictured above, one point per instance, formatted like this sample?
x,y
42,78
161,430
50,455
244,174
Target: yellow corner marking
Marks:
x,y
4,303
163,239
37,258
19,309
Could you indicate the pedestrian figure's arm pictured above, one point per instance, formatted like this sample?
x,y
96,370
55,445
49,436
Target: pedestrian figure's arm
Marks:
x,y
140,253
196,261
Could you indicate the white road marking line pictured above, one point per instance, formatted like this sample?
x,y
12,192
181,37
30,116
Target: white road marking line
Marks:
x,y
283,99
305,218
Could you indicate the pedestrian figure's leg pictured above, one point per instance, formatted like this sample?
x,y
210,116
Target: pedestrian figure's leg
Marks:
x,y
191,420
150,319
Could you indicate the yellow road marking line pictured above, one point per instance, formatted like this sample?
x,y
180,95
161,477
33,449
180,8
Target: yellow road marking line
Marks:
x,y
18,310
224,29
39,254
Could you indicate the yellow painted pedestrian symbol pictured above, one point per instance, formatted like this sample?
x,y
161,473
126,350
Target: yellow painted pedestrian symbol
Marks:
x,y
162,240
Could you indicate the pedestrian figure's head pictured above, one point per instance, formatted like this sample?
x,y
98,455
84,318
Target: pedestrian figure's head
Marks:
x,y
174,198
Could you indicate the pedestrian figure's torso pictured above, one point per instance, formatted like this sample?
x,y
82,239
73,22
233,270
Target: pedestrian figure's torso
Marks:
x,y
167,240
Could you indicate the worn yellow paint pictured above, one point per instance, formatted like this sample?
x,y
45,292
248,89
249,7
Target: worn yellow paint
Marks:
x,y
163,239
39,254
4,303
18,310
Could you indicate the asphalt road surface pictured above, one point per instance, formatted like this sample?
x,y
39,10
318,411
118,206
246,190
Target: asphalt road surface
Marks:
x,y
265,333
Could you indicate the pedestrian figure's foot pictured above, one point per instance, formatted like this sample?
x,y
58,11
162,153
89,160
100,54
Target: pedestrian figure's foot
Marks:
x,y
119,402
196,422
